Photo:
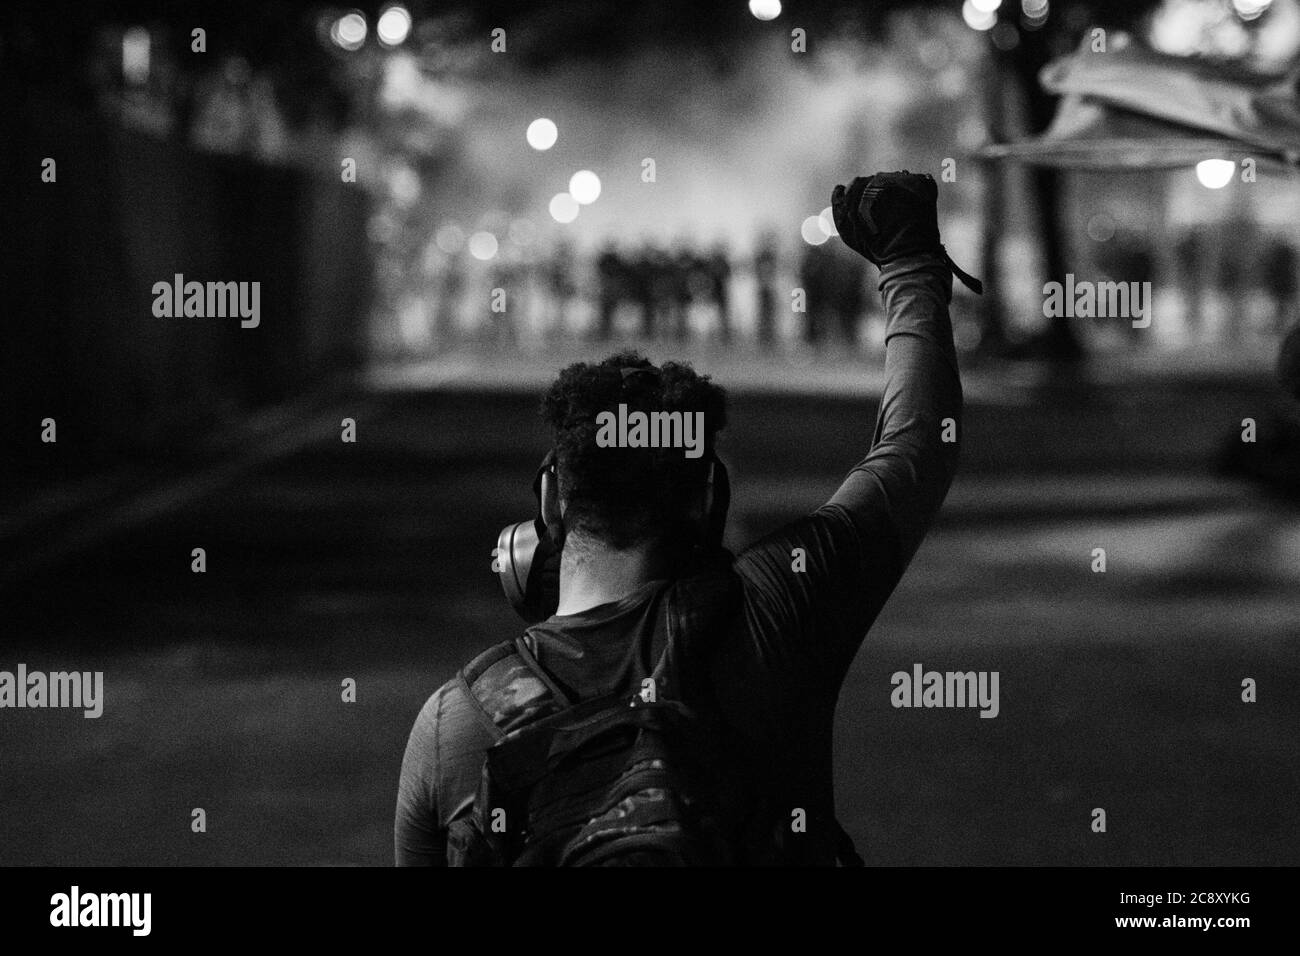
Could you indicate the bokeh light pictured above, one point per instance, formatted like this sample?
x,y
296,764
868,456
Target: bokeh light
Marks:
x,y
765,9
1035,13
1101,227
393,26
812,231
978,19
584,187
542,134
483,245
564,208
1005,36
1215,173
827,222
349,31
450,238
1251,9
135,55
404,185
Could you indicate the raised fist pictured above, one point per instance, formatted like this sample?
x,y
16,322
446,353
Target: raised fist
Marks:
x,y
889,216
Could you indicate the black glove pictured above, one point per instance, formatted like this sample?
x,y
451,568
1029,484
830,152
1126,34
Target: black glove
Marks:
x,y
892,215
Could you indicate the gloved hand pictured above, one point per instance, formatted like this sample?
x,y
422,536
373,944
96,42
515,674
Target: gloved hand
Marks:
x,y
889,216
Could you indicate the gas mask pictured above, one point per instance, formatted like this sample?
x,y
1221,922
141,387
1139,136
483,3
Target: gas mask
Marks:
x,y
527,555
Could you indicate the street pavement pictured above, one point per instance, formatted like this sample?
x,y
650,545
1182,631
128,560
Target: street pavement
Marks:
x,y
370,561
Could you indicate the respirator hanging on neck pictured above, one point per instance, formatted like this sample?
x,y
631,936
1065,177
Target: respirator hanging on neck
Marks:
x,y
527,555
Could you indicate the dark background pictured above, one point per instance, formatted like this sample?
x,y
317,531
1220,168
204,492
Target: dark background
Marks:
x,y
370,560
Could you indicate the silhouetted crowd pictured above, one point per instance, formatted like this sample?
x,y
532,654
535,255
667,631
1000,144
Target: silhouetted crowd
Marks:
x,y
653,292
816,295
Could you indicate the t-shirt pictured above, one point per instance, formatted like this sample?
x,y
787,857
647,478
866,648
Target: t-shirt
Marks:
x,y
777,666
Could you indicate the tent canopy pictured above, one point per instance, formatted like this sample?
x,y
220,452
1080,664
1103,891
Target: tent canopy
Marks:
x,y
1133,108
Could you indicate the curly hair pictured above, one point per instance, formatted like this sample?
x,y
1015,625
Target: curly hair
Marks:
x,y
625,496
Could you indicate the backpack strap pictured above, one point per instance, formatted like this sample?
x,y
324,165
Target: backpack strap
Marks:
x,y
498,690
530,660
509,688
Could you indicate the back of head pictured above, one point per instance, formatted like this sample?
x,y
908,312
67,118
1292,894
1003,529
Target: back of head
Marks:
x,y
623,496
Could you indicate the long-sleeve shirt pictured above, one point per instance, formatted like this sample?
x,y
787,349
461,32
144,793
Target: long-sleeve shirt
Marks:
x,y
777,670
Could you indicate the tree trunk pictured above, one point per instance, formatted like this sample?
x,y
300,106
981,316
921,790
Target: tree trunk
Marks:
x,y
993,205
1027,59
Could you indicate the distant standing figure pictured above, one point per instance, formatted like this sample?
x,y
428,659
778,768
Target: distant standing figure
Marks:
x,y
817,278
850,298
448,298
1238,248
661,270
765,275
681,269
718,268
610,272
641,271
1280,279
560,285
1189,253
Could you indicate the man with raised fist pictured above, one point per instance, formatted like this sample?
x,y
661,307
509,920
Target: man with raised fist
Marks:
x,y
671,704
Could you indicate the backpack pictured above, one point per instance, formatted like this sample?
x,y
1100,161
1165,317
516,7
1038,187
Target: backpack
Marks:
x,y
646,778
610,782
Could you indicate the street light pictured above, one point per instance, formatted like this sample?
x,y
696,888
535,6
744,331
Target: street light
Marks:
x,y
812,231
541,134
1215,173
976,18
394,25
483,246
564,208
584,187
349,31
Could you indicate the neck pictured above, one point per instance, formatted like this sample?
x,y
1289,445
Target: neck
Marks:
x,y
592,574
